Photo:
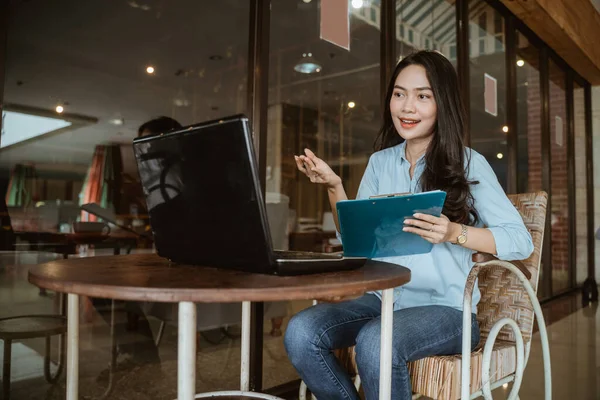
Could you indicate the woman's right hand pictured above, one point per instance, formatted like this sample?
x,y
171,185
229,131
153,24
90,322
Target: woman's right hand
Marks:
x,y
317,170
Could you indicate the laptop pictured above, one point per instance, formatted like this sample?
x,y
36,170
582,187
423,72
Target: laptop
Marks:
x,y
206,206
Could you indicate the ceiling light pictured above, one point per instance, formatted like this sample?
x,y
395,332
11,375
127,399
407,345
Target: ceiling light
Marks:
x,y
357,3
150,69
351,104
306,1
59,109
116,121
500,156
520,63
505,385
307,64
505,129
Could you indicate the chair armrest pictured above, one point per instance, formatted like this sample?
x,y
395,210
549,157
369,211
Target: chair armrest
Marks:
x,y
485,257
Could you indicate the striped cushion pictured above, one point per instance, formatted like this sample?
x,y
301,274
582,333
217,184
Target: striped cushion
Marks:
x,y
439,377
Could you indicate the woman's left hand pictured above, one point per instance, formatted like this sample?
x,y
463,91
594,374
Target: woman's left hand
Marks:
x,y
433,229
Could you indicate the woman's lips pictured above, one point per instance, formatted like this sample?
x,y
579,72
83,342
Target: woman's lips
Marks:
x,y
408,123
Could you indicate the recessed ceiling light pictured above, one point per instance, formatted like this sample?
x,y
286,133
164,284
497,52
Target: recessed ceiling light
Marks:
x,y
500,156
116,121
150,69
351,104
59,109
520,63
306,1
505,129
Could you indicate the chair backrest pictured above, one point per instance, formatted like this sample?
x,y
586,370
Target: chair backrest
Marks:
x,y
502,295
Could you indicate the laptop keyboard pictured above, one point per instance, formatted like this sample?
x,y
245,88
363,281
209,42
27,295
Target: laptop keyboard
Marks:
x,y
304,255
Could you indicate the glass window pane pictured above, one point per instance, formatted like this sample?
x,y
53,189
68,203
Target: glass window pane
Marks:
x,y
559,212
529,130
433,23
581,211
333,109
488,82
93,59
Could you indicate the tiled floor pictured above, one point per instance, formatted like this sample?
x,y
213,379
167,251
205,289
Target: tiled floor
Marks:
x,y
574,343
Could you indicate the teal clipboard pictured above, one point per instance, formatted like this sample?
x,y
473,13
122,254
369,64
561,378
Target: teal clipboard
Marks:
x,y
372,227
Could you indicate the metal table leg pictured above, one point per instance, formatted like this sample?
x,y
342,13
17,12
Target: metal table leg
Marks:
x,y
244,391
385,361
245,347
186,351
73,347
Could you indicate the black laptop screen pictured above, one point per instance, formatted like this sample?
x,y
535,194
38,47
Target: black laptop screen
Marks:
x,y
202,196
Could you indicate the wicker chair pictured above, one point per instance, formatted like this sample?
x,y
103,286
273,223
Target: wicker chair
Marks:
x,y
505,314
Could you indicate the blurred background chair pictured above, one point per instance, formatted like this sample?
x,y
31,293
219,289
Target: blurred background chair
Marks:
x,y
17,328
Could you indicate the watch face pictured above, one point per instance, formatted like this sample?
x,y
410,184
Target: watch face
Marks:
x,y
462,239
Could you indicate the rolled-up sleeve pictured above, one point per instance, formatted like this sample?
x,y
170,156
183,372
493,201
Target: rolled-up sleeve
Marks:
x,y
497,213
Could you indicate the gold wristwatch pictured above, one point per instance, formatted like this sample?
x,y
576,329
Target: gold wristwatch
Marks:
x,y
462,238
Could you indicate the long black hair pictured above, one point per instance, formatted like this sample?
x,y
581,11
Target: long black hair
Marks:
x,y
445,156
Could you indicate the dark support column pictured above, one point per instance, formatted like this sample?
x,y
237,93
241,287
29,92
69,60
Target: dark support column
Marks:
x,y
590,286
545,123
387,40
571,177
258,86
462,51
7,239
511,102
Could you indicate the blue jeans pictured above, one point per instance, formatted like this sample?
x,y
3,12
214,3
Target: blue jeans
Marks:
x,y
418,332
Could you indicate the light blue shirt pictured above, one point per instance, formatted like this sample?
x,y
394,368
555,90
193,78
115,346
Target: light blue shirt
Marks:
x,y
439,277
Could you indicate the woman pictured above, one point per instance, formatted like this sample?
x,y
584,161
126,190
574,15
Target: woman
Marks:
x,y
420,148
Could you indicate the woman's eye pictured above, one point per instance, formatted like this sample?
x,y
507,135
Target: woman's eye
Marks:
x,y
423,96
398,94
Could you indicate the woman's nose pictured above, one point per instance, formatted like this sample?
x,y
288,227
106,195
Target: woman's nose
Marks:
x,y
409,105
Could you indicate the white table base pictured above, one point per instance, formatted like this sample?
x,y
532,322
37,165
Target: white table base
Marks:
x,y
186,351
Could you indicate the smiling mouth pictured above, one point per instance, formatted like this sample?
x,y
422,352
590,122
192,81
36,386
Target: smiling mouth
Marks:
x,y
408,123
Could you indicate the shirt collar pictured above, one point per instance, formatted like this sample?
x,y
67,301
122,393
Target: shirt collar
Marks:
x,y
402,154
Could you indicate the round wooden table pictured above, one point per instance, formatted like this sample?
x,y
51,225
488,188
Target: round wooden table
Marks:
x,y
148,277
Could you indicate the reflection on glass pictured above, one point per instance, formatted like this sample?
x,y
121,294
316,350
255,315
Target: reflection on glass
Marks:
x,y
559,212
529,128
334,110
581,211
488,82
426,24
529,132
81,93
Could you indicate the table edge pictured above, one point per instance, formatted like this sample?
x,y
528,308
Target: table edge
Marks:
x,y
215,295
